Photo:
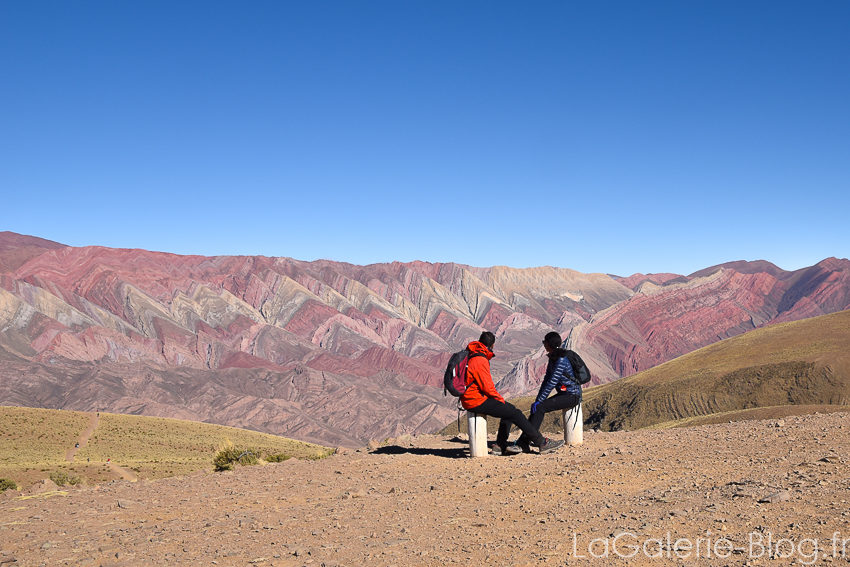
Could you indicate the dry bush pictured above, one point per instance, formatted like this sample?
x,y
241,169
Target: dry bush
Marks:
x,y
279,458
61,479
229,454
6,484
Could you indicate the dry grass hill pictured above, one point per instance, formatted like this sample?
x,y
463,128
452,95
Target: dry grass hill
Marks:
x,y
36,444
800,363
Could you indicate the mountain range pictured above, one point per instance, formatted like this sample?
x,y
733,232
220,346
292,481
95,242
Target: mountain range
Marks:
x,y
336,353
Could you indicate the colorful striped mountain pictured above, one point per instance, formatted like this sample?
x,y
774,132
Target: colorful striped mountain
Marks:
x,y
336,353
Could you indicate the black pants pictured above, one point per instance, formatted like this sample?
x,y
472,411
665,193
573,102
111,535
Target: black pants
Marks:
x,y
560,401
509,416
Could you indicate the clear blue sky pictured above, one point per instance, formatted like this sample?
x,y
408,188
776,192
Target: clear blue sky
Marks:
x,y
600,136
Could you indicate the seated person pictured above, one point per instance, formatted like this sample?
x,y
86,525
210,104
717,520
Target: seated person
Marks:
x,y
482,398
559,377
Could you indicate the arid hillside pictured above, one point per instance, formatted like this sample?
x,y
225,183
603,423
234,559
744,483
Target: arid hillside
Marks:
x,y
799,363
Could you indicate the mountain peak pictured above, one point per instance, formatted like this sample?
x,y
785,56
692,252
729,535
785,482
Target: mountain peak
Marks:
x,y
18,249
744,267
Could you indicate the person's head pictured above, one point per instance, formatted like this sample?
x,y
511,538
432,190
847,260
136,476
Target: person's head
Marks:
x,y
551,341
487,339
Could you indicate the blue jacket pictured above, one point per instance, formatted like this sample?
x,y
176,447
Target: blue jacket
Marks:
x,y
559,372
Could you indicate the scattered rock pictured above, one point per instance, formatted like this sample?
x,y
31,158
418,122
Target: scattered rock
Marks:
x,y
356,492
782,496
42,486
744,492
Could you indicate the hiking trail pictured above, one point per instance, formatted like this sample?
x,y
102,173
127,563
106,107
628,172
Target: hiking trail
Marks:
x,y
84,438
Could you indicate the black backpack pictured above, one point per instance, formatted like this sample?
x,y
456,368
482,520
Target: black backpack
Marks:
x,y
580,370
454,379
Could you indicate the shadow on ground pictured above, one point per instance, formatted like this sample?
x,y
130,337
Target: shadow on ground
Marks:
x,y
455,453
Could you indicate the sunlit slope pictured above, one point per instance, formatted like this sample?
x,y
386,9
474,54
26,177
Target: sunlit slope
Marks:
x,y
800,363
34,443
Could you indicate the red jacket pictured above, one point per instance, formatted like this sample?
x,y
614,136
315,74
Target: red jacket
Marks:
x,y
479,383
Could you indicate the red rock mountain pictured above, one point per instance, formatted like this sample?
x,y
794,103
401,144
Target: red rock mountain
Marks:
x,y
336,353
665,321
321,351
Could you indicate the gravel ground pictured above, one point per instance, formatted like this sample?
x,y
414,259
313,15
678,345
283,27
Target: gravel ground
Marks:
x,y
745,493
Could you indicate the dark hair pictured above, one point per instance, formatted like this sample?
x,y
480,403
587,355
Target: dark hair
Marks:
x,y
487,339
552,340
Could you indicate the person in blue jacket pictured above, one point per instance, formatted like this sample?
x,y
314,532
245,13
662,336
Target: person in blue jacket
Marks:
x,y
559,377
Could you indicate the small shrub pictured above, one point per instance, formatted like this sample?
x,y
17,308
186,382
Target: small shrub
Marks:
x,y
6,484
230,454
279,458
61,479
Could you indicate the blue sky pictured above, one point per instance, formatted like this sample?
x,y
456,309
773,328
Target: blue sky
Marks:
x,y
601,136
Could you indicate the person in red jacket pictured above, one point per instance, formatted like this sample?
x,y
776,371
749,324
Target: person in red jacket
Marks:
x,y
482,398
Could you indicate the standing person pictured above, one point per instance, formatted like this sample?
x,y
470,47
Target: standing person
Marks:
x,y
560,377
482,398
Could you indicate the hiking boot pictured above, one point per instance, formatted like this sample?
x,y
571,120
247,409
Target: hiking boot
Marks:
x,y
550,445
524,446
513,449
497,450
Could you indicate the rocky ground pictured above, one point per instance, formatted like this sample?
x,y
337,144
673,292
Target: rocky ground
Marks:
x,y
757,493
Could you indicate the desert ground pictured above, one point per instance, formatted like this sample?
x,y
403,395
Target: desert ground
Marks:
x,y
770,492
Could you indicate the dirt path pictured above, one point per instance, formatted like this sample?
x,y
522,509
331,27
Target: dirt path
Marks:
x,y
125,474
84,438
